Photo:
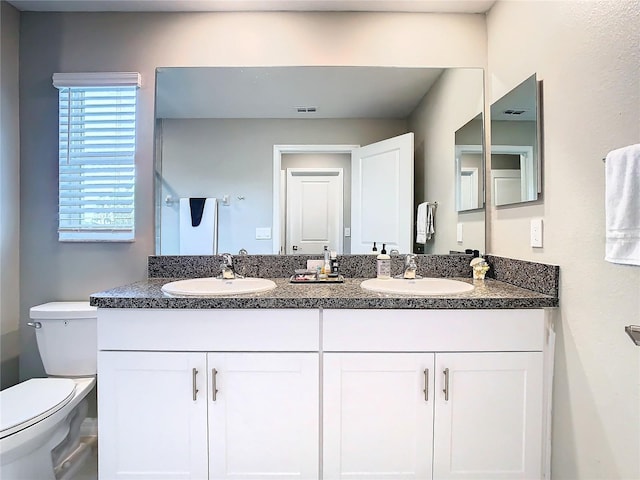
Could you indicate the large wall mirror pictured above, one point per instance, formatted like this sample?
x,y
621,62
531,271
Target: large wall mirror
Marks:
x,y
250,137
516,162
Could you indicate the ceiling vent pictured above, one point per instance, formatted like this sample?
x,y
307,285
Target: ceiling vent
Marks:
x,y
512,111
306,109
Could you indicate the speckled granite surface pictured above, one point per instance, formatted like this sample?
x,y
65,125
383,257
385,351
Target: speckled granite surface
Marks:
x,y
539,277
276,266
487,294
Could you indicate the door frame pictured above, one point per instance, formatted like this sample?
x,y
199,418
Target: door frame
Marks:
x,y
278,151
527,168
320,171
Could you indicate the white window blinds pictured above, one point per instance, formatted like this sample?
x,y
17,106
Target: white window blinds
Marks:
x,y
97,133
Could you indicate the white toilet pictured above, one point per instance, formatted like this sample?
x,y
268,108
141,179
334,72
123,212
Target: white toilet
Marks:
x,y
41,418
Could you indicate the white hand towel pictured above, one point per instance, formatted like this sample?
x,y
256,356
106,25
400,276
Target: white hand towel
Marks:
x,y
421,224
431,217
622,205
203,239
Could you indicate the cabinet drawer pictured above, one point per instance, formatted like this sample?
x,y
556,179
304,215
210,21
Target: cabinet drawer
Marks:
x,y
433,330
208,330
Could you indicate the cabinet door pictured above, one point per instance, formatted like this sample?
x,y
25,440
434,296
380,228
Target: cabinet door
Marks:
x,y
490,423
264,417
378,415
152,421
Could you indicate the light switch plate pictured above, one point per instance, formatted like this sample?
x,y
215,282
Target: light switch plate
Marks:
x,y
536,232
459,233
347,231
263,233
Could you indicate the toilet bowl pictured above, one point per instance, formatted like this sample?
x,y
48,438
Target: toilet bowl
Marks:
x,y
41,418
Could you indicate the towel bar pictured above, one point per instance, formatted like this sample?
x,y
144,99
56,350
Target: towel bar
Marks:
x,y
634,332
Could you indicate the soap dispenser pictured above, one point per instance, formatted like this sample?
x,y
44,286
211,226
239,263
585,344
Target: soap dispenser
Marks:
x,y
383,264
326,267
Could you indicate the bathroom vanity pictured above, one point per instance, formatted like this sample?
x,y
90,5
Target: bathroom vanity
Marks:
x,y
324,382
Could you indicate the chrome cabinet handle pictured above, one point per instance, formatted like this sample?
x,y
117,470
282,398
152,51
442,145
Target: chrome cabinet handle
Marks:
x,y
214,384
426,385
194,373
446,384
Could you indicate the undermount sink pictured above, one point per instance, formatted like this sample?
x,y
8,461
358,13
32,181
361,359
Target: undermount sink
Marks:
x,y
202,287
421,286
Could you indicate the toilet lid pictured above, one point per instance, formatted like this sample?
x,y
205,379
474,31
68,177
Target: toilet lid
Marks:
x,y
29,402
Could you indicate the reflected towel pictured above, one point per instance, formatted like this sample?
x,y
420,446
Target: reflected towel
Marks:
x,y
622,206
425,223
201,239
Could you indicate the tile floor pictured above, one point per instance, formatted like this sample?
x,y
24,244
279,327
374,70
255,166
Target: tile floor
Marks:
x,y
89,470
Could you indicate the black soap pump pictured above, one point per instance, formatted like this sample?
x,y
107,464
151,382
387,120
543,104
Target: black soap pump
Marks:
x,y
374,249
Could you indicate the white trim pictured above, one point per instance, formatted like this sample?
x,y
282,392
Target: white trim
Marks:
x,y
97,79
278,151
527,175
331,172
460,150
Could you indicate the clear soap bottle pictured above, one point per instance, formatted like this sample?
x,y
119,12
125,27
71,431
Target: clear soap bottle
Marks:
x,y
383,264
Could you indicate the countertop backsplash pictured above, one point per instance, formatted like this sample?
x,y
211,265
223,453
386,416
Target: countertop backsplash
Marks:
x,y
538,277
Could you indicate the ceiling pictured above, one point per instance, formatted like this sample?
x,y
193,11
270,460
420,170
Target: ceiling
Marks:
x,y
426,6
277,92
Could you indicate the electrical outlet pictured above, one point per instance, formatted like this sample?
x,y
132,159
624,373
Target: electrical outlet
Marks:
x,y
347,231
536,232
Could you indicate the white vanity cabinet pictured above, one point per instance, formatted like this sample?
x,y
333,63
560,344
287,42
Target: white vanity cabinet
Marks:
x,y
324,394
225,410
377,415
151,425
473,408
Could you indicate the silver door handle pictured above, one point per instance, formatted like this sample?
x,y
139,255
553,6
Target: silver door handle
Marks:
x,y
426,385
194,373
446,384
214,384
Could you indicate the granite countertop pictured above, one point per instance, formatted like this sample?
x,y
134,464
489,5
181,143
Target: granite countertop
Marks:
x,y
487,294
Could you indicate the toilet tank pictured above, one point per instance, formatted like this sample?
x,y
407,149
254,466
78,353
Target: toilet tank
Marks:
x,y
67,337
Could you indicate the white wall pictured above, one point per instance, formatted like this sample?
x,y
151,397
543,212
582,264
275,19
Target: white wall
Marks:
x,y
141,42
588,56
216,157
9,196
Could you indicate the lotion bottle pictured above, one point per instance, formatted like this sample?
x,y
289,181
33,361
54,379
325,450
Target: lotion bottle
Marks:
x,y
383,264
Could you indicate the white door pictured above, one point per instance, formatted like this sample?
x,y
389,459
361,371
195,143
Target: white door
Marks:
x,y
382,195
377,415
488,423
156,403
314,210
507,186
264,418
468,189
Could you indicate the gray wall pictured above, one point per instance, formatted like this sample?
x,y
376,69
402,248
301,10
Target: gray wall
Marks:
x,y
212,158
67,42
435,124
9,196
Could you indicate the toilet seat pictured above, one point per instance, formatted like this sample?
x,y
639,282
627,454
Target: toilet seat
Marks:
x,y
31,401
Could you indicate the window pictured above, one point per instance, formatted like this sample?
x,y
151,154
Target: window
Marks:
x,y
97,133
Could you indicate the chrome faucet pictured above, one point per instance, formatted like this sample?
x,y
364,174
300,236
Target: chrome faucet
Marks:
x,y
410,266
226,267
